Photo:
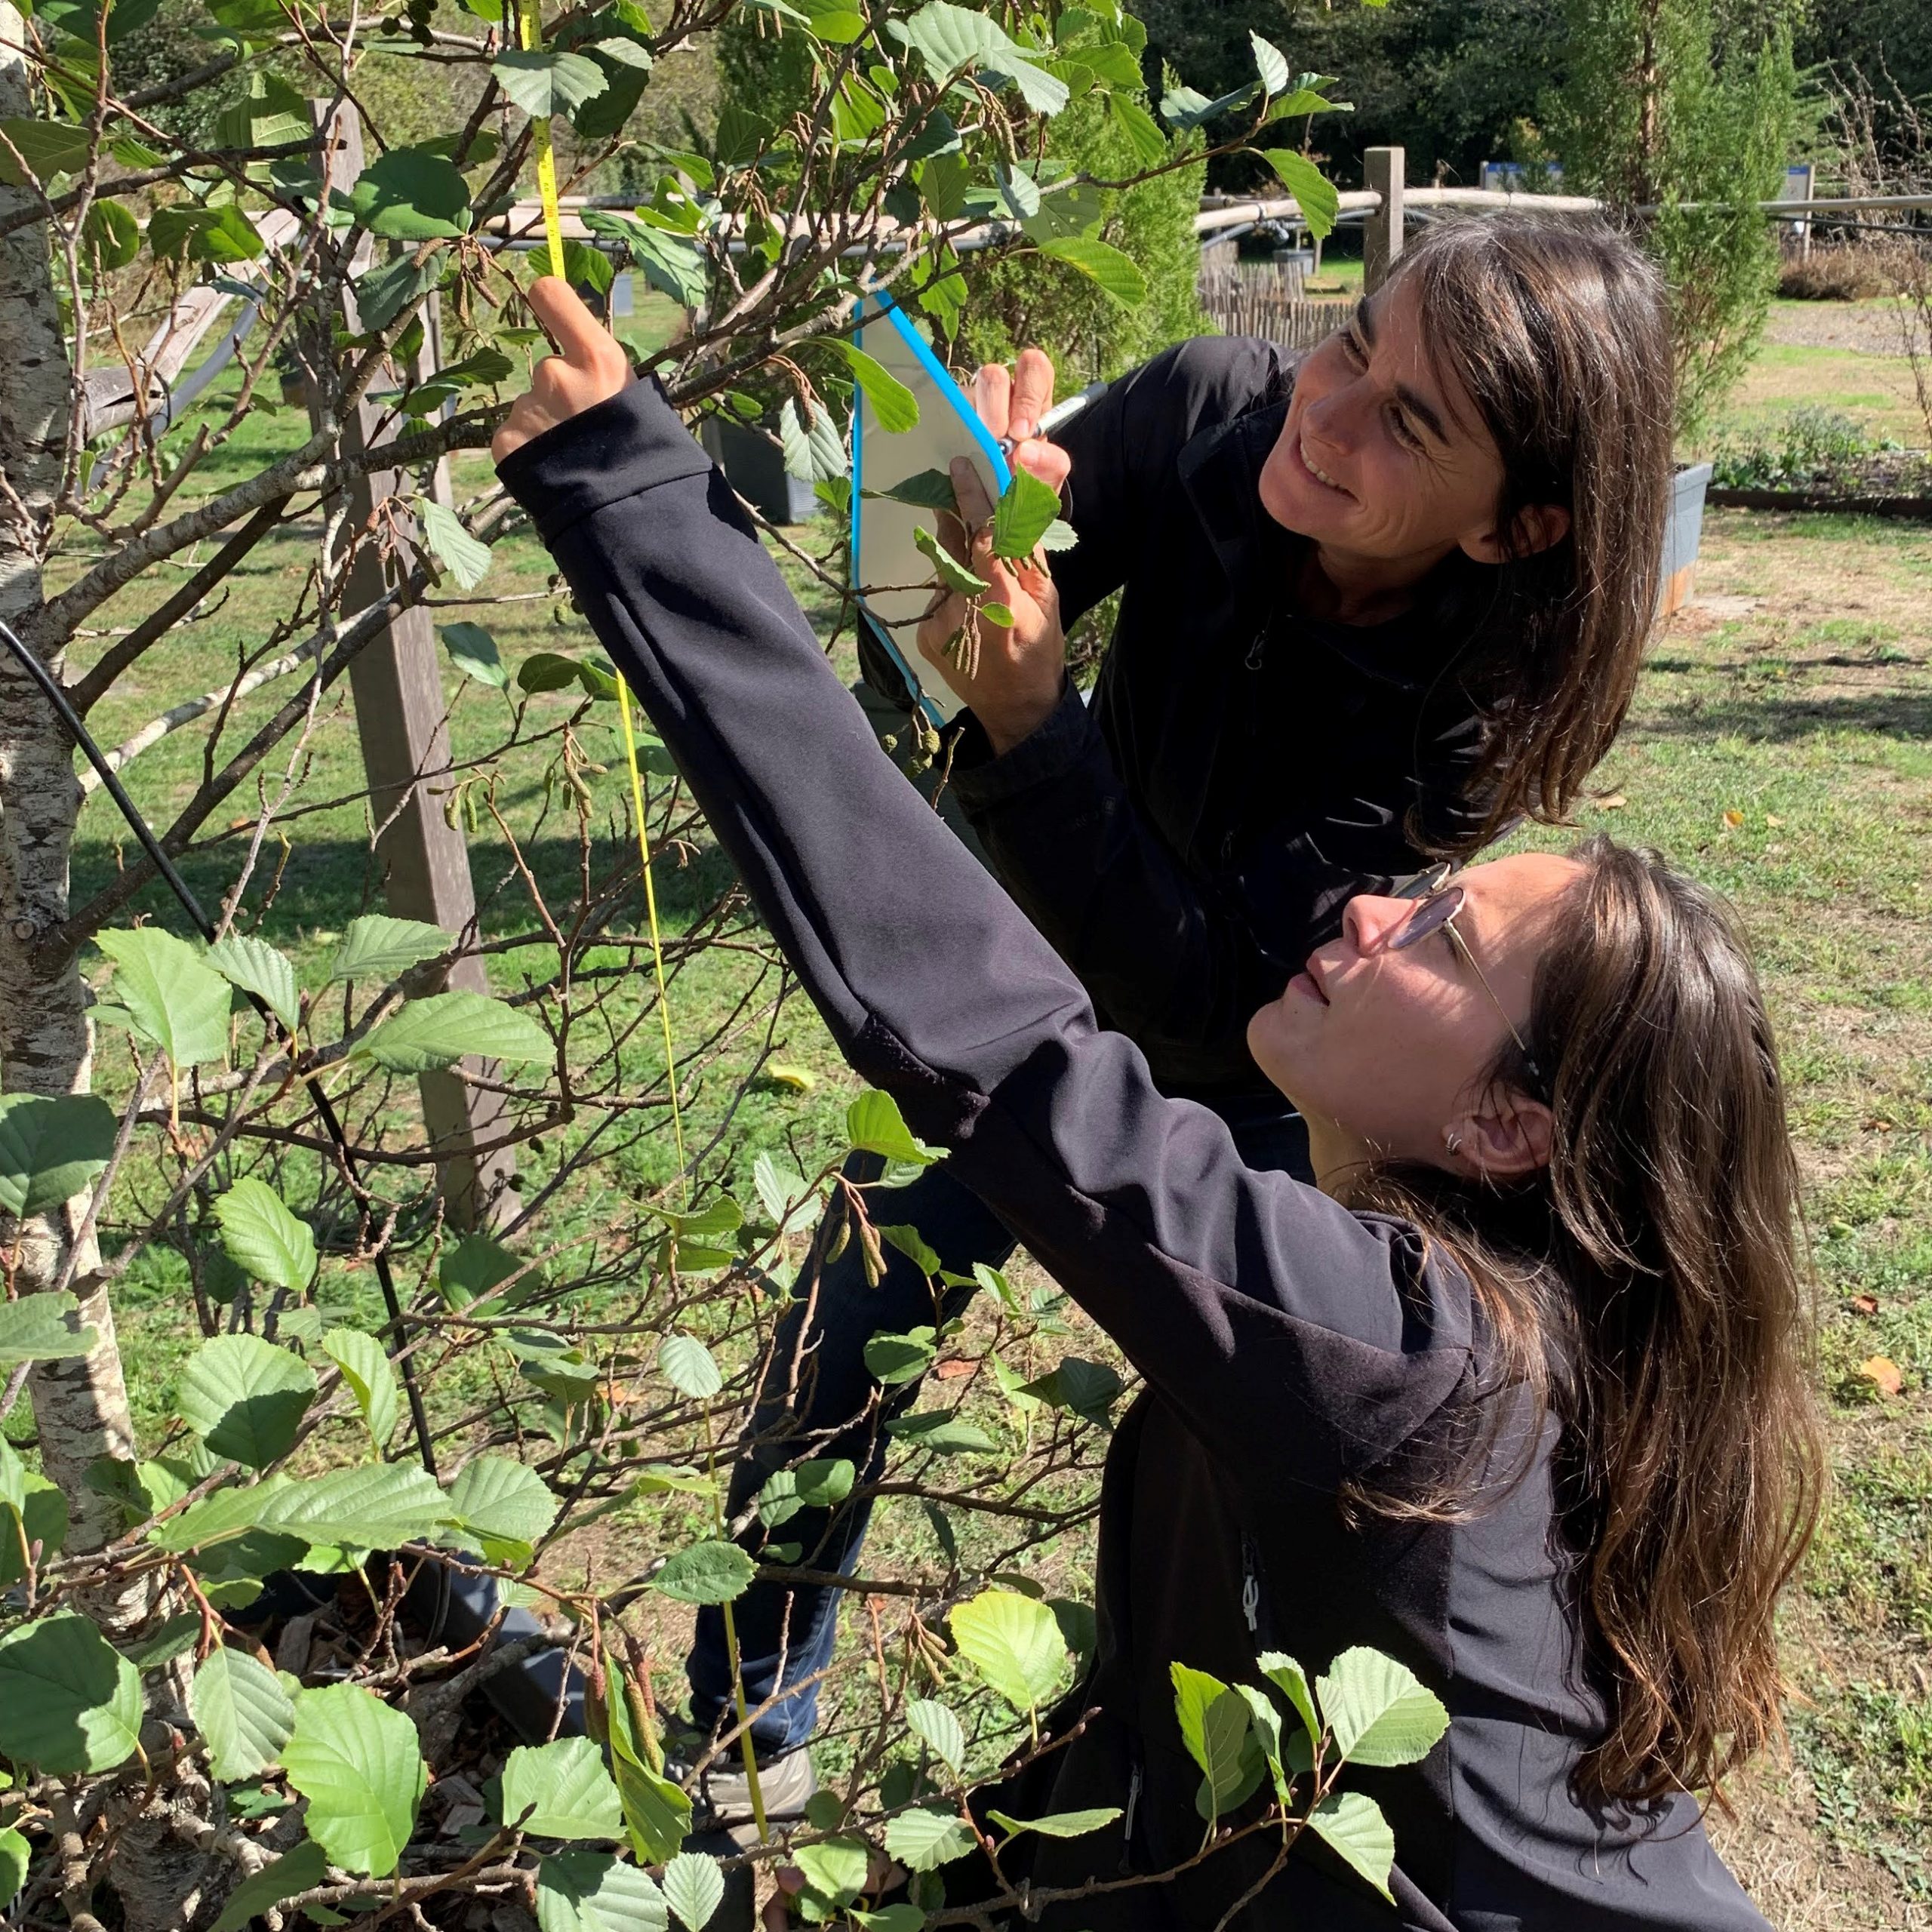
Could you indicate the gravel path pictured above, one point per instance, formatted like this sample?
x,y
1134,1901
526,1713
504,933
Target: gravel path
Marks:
x,y
1872,326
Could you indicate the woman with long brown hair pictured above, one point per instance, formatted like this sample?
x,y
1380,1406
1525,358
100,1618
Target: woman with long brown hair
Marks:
x,y
1516,1394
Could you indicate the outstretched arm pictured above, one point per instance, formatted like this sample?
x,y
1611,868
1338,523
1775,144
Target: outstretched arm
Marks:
x,y
937,989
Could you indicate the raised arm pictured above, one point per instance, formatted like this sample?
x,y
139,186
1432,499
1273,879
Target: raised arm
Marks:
x,y
938,990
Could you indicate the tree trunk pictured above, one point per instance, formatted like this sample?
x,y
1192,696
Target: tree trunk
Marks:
x,y
80,1406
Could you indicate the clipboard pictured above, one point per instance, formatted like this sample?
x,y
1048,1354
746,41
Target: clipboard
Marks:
x,y
883,552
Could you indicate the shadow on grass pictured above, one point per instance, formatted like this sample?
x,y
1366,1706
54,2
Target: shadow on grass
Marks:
x,y
1779,717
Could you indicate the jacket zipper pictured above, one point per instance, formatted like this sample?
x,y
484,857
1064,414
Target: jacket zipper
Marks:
x,y
1132,1805
1256,649
1250,1587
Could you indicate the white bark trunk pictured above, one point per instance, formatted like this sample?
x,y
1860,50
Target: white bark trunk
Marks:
x,y
80,1406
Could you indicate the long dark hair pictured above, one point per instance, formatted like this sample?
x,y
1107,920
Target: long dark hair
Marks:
x,y
1559,331
1646,1290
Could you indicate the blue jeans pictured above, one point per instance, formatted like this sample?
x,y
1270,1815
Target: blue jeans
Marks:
x,y
786,1632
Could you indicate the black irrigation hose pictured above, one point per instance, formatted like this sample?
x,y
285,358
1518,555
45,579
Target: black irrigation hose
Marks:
x,y
51,689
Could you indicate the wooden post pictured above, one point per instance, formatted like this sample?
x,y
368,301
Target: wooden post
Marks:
x,y
403,725
1381,232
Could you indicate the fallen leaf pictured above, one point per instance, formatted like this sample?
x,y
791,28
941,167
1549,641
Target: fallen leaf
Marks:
x,y
1773,820
800,1079
1865,1304
240,824
1734,819
1883,1373
1612,801
1878,1124
951,1371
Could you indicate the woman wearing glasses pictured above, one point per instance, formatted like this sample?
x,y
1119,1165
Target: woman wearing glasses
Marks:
x,y
1516,1394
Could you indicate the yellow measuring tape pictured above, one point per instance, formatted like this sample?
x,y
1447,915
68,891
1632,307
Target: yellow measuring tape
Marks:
x,y
529,23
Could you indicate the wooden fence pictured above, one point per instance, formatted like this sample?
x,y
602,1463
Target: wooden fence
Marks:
x,y
1266,299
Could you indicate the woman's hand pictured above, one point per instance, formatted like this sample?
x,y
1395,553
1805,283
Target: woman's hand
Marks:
x,y
1014,674
1011,403
590,367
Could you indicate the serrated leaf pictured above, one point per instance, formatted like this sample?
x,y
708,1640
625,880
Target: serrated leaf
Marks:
x,y
1312,190
658,1814
544,83
1352,1826
428,1034
835,1868
52,1146
687,1364
505,1503
874,1125
468,1271
895,1359
245,1399
1214,1726
410,194
1266,1721
936,1727
673,264
241,1710
69,1702
928,490
14,1852
462,555
940,1433
923,1839
706,1573
387,289
1378,1711
176,1638
1027,508
895,408
42,1512
375,1506
1271,64
952,574
259,968
814,452
1088,1388
1142,130
1060,1824
48,148
365,1367
297,1871
591,1891
175,997
693,1888
376,946
262,1237
473,651
787,1198
1117,273
358,1764
112,233
1292,1681
565,1789
819,1483
1014,1642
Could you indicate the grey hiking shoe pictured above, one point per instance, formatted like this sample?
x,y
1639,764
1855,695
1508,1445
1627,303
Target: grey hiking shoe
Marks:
x,y
721,1798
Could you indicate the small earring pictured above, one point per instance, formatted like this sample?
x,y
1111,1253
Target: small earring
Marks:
x,y
1454,1142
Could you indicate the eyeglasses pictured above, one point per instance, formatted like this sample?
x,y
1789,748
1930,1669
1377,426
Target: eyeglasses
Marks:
x,y
1437,903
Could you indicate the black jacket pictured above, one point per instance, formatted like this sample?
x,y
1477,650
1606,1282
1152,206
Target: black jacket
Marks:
x,y
1287,1344
1190,838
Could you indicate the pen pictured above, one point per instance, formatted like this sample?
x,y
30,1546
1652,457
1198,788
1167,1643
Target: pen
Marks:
x,y
1061,412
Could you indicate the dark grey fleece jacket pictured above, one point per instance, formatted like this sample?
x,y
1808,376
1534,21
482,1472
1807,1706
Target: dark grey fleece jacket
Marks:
x,y
1287,1344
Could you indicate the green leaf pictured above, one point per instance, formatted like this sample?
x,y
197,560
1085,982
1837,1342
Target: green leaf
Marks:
x,y
1316,193
586,266
1060,1824
895,408
874,1125
896,1359
1378,1711
673,264
48,148
465,559
1014,1642
929,490
952,574
1271,64
546,84
814,453
913,1245
386,290
939,1730
468,1271
173,996
42,1513
548,671
411,195
924,1839
1291,1680
941,1432
176,1638
113,234
505,1503
222,234
365,1367
69,1702
590,1891
473,651
819,1483
785,1194
1115,272
358,1764
565,1788
1142,131
375,1506
1352,1826
52,1146
241,1709
1266,1721
687,1364
14,1852
428,1034
377,947
1023,514
1214,1726
1089,1389
245,1399
257,968
297,1871
658,1814
263,1238
706,1573
835,1868
693,1888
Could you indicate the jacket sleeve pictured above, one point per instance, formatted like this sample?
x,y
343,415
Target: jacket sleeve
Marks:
x,y
937,989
